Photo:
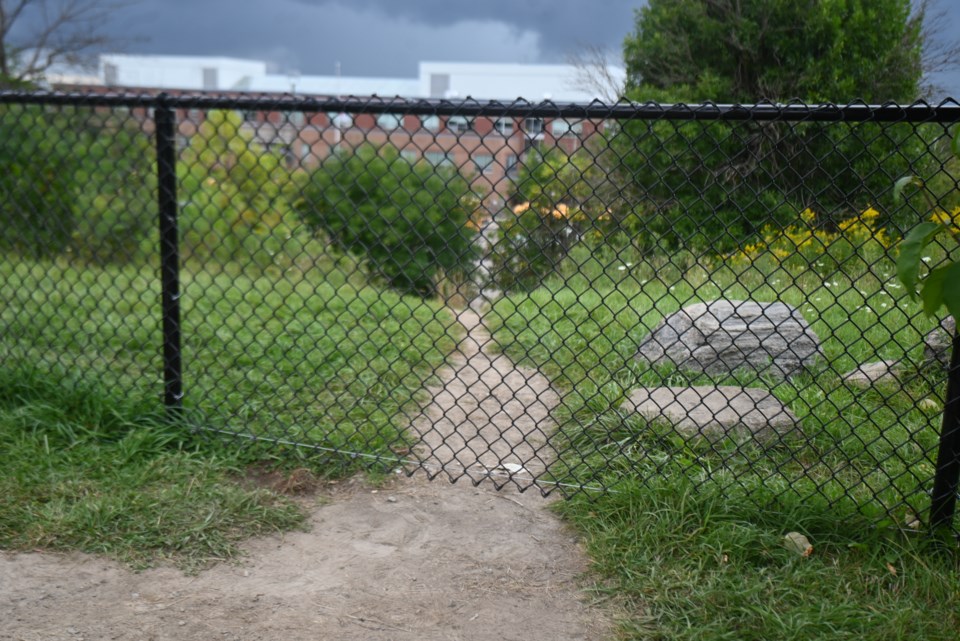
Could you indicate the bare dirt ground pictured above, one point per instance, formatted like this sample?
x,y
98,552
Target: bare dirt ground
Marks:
x,y
415,560
409,560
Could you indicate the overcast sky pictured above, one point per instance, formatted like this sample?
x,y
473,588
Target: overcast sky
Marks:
x,y
389,37
378,37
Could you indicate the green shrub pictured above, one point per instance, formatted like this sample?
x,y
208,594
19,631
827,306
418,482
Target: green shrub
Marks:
x,y
36,182
408,221
235,196
116,193
559,198
531,245
76,181
714,185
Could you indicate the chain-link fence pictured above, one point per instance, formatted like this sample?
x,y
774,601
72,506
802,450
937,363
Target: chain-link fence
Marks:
x,y
571,297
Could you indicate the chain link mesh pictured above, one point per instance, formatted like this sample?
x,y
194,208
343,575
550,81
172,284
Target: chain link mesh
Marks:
x,y
567,297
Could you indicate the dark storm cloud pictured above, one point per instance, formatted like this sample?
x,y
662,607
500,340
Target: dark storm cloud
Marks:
x,y
376,37
389,37
563,25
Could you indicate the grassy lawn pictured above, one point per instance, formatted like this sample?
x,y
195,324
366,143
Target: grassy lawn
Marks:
x,y
315,356
584,330
86,471
311,356
691,543
692,540
684,561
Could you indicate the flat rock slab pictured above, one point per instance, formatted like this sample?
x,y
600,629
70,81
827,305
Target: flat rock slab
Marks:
x,y
714,412
869,374
723,336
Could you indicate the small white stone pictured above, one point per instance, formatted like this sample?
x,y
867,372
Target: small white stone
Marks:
x,y
796,542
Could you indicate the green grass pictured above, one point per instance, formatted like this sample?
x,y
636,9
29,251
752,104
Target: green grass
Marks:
x,y
308,355
690,543
863,449
83,470
682,561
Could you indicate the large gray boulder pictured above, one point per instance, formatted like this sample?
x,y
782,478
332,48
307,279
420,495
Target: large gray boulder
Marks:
x,y
725,335
745,414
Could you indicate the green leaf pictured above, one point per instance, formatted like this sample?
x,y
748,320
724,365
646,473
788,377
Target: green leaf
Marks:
x,y
908,262
951,289
955,143
901,184
932,290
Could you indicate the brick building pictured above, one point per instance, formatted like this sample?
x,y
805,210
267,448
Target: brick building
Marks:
x,y
486,149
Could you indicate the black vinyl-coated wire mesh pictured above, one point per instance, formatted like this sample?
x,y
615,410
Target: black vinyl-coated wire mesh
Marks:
x,y
568,297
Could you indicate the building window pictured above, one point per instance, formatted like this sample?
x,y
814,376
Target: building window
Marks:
x,y
503,126
409,155
438,158
250,116
561,127
296,118
459,124
389,122
341,120
431,123
533,126
511,165
533,148
484,162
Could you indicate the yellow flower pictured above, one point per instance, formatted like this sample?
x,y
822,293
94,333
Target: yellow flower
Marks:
x,y
950,220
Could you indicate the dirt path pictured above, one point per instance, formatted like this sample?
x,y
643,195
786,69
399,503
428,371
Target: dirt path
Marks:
x,y
490,418
413,560
416,560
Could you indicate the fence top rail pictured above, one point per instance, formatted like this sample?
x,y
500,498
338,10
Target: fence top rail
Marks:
x,y
947,111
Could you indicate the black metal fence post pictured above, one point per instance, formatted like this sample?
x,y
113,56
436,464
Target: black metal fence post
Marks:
x,y
946,481
165,120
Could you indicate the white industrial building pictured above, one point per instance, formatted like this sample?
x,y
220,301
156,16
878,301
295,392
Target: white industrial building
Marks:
x,y
482,81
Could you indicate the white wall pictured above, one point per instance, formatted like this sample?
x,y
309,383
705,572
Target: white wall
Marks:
x,y
509,81
180,72
482,81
